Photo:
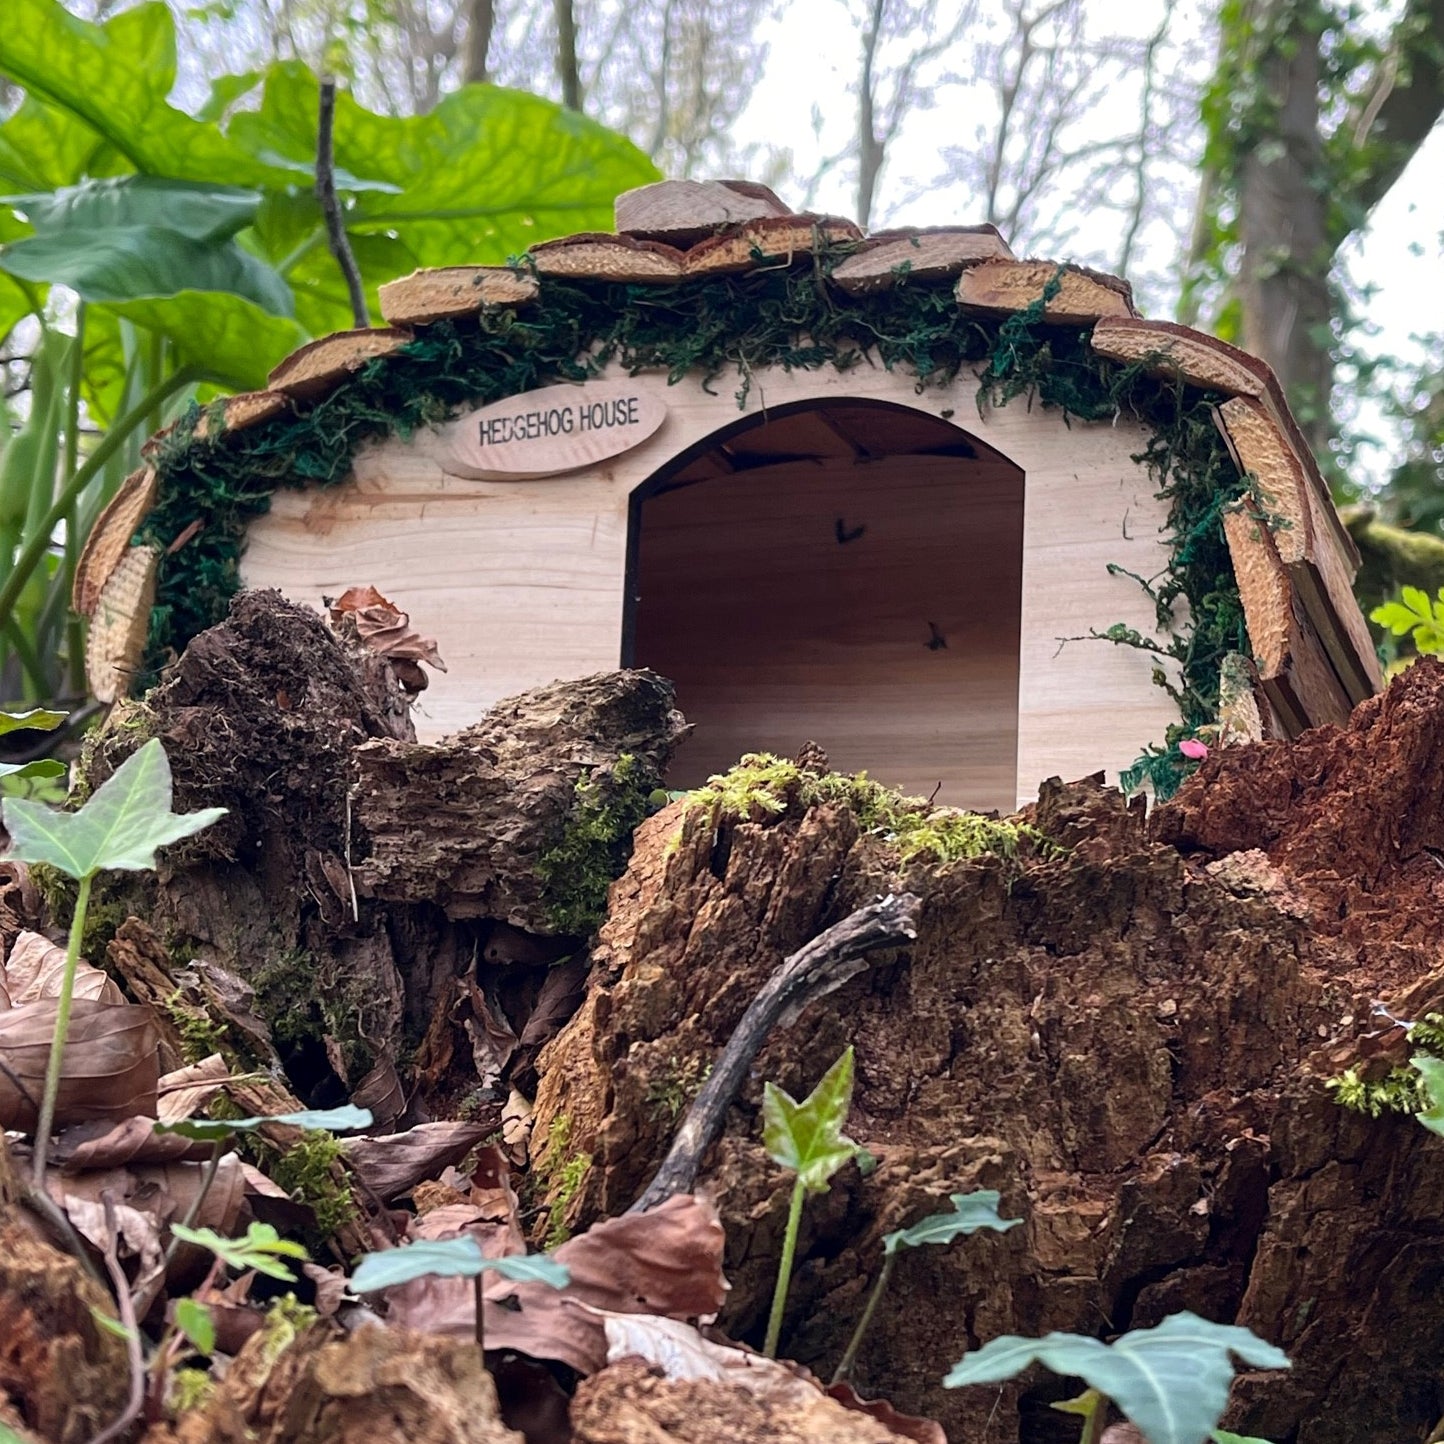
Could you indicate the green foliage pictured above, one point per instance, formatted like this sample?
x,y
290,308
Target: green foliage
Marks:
x,y
1431,1075
452,1258
970,1212
1415,614
595,844
561,1172
216,1130
38,720
198,252
120,826
262,1249
806,1138
762,785
1404,1088
1172,1381
197,1323
189,1389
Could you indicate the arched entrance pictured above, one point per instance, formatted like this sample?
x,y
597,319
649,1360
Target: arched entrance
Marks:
x,y
844,572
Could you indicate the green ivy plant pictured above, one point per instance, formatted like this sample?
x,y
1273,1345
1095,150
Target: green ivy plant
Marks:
x,y
1172,1380
970,1212
807,1139
38,719
459,1257
120,827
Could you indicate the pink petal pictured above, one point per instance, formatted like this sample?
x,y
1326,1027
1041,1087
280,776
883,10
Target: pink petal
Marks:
x,y
1192,747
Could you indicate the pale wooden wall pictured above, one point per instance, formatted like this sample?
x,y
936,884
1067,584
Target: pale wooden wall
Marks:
x,y
522,582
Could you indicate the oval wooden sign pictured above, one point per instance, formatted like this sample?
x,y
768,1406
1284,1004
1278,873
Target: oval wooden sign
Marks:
x,y
552,430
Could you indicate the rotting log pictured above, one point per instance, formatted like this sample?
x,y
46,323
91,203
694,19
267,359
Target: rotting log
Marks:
x,y
1129,1040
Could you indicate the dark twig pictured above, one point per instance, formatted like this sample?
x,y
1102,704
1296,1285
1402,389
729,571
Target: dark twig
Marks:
x,y
132,1330
825,963
331,208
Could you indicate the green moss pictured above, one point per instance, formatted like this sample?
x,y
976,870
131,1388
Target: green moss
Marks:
x,y
674,1088
189,1389
200,1034
305,1171
1402,1089
560,1173
595,844
303,998
762,785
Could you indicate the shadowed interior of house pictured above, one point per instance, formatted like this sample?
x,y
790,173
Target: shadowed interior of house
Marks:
x,y
847,573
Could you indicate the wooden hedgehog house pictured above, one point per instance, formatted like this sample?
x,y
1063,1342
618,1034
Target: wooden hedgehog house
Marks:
x,y
893,493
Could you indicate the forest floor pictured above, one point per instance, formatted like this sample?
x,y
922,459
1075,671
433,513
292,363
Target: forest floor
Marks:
x,y
1123,1022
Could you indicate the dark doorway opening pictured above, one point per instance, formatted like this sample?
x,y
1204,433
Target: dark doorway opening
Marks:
x,y
843,572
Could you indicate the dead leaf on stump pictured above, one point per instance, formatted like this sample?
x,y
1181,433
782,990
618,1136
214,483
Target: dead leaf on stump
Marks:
x,y
390,1166
35,967
386,629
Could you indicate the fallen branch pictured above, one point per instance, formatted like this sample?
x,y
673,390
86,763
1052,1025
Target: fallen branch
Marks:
x,y
813,971
133,1352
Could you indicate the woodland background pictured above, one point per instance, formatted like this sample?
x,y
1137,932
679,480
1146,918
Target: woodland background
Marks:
x,y
159,238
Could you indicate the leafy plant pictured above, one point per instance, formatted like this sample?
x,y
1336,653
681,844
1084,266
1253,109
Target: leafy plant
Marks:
x,y
1431,1073
1172,1381
1415,613
120,826
175,281
459,1257
970,1212
807,1139
262,1249
38,720
196,1322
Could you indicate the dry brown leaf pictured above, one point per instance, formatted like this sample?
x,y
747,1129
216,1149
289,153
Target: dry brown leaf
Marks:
x,y
391,1165
183,1093
109,1069
102,1144
516,1125
910,1426
36,965
560,996
666,1262
492,1039
165,1191
384,628
381,1091
330,1287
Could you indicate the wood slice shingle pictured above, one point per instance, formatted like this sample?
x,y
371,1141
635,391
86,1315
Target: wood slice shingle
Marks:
x,y
682,212
1083,296
759,243
237,413
602,257
445,291
922,255
109,538
312,371
118,627
1181,352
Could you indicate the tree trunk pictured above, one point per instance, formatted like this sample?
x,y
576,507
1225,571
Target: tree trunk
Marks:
x,y
567,69
480,22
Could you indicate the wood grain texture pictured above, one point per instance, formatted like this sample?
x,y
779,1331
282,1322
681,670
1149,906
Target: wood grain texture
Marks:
x,y
1083,296
1182,353
441,292
115,642
238,412
772,239
922,255
524,583
683,212
601,257
109,538
316,367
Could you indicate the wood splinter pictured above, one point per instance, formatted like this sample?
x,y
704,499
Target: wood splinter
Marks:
x,y
813,971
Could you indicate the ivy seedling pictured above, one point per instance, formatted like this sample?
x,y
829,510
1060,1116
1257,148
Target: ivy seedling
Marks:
x,y
807,1139
970,1212
262,1249
120,827
1172,1380
454,1258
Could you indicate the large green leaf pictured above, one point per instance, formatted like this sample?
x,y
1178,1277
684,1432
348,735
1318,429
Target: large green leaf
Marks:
x,y
971,1211
807,1137
216,1130
127,263
1172,1381
452,1258
228,339
1431,1070
197,210
115,78
120,826
486,174
42,147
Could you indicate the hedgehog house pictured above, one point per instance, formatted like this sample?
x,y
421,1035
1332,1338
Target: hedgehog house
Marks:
x,y
965,520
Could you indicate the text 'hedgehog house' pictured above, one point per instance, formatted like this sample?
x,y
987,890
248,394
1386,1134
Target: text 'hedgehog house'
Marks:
x,y
857,490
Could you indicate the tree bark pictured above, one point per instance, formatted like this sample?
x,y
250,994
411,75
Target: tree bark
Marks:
x,y
567,68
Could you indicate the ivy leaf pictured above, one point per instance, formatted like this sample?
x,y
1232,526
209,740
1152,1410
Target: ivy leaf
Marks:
x,y
261,1249
452,1258
971,1211
1222,1436
197,1323
37,767
214,1130
1431,1069
1172,1381
120,826
807,1137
